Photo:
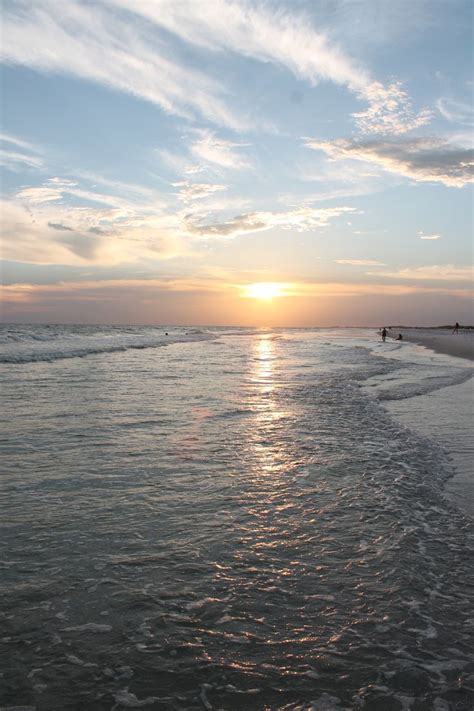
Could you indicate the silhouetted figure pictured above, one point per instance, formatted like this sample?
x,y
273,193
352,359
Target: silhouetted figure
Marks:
x,y
456,328
384,334
399,337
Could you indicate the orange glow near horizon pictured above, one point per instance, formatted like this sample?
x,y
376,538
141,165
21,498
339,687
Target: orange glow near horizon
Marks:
x,y
264,291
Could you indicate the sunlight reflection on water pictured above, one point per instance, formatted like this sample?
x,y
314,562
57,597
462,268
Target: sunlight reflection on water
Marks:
x,y
225,524
266,428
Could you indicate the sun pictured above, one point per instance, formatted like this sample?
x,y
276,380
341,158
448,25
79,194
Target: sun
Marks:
x,y
265,291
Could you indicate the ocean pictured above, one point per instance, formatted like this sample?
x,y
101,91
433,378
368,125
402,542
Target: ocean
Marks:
x,y
234,519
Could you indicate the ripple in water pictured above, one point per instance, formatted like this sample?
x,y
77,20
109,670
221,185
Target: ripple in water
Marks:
x,y
241,527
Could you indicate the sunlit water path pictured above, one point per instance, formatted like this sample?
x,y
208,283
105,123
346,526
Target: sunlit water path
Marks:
x,y
229,522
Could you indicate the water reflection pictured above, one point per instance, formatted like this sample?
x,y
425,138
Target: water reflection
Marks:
x,y
263,359
268,425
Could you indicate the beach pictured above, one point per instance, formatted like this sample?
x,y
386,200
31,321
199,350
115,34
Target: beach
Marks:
x,y
447,415
232,518
460,345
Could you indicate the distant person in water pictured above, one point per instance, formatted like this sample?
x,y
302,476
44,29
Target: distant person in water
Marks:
x,y
456,328
399,337
384,334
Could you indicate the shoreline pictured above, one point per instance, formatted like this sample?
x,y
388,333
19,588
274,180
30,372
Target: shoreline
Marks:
x,y
459,345
445,415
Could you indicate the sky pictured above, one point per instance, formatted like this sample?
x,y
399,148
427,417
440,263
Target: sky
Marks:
x,y
233,162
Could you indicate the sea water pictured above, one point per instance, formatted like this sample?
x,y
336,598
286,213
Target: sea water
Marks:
x,y
232,519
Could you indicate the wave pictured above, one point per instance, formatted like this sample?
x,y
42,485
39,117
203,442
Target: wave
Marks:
x,y
40,346
429,385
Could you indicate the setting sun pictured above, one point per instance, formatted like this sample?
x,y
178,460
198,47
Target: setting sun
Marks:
x,y
266,291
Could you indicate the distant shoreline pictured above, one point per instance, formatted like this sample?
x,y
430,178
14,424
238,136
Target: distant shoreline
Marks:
x,y
459,345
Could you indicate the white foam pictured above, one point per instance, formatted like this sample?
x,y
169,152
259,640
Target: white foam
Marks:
x,y
197,604
31,346
326,702
89,627
130,701
206,703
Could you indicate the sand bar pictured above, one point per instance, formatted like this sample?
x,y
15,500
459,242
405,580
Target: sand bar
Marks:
x,y
441,340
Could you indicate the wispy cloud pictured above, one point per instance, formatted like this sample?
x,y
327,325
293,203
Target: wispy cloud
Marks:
x,y
61,228
14,160
192,191
218,151
301,219
81,236
118,186
179,163
20,142
112,45
456,111
56,189
147,291
61,222
94,43
18,153
40,194
436,272
287,40
422,235
360,262
42,225
254,31
426,159
390,111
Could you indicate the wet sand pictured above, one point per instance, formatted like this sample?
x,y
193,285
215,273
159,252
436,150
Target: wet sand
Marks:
x,y
460,345
446,416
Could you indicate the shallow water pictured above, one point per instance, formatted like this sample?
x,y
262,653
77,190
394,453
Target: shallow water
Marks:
x,y
229,522
433,416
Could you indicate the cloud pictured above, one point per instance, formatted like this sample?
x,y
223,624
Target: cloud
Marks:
x,y
424,159
443,272
15,159
178,163
39,195
42,225
360,262
339,180
455,111
55,189
301,219
205,153
146,291
429,237
39,227
192,191
111,44
211,149
116,185
14,140
286,39
390,111
58,226
94,43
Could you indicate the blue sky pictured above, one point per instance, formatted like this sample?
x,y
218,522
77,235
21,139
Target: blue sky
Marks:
x,y
160,156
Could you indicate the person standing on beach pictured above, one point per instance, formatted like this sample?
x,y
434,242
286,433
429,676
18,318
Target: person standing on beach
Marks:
x,y
384,334
456,328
